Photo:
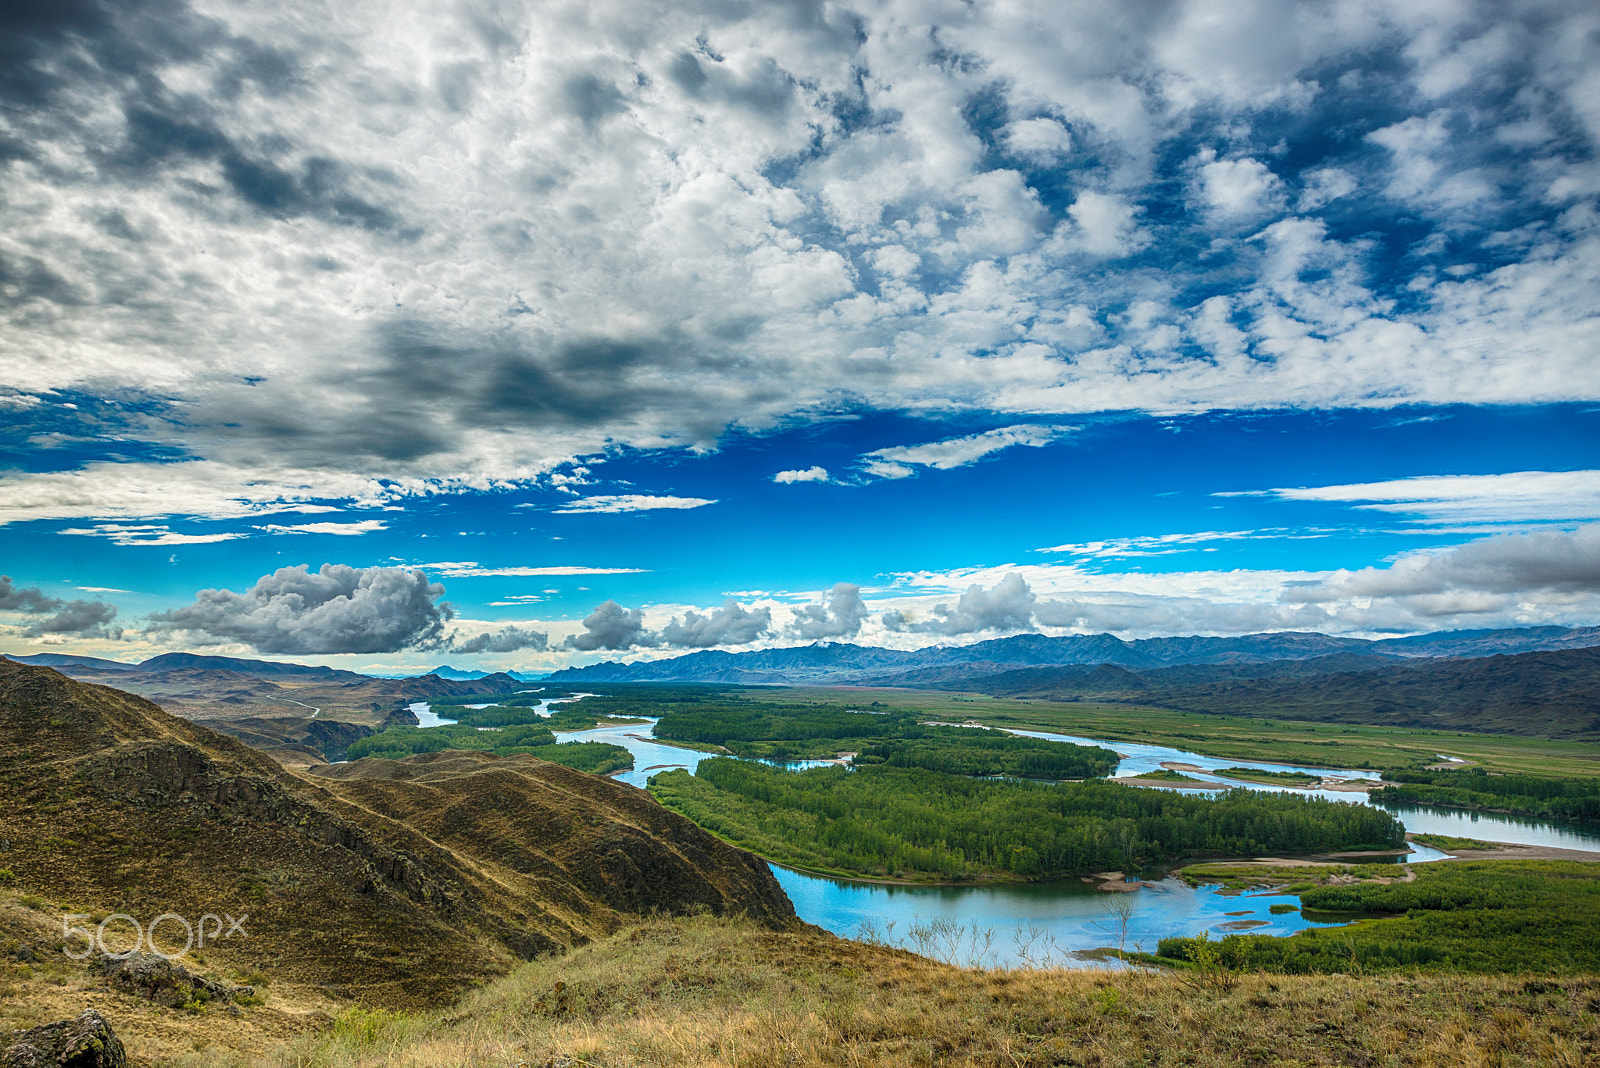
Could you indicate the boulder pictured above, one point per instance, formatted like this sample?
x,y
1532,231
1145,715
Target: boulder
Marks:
x,y
86,1042
163,981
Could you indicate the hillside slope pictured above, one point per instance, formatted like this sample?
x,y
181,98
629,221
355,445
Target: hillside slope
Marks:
x,y
400,882
1544,694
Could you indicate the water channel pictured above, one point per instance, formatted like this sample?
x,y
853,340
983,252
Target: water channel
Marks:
x,y
1049,922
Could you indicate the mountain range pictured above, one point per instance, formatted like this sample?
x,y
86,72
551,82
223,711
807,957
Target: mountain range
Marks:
x,y
839,663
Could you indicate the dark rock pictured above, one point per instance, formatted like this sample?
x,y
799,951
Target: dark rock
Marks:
x,y
165,982
86,1042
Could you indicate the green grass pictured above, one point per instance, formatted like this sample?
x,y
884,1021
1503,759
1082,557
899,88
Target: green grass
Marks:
x,y
714,993
1539,917
1449,842
1230,737
1278,778
1295,878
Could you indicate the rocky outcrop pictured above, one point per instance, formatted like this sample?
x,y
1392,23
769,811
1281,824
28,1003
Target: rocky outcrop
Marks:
x,y
85,1042
163,981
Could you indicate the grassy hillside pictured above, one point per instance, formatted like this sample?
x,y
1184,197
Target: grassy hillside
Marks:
x,y
719,992
1543,695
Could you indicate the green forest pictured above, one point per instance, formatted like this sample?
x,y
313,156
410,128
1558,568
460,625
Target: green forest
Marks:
x,y
1473,788
1495,916
878,737
885,821
397,743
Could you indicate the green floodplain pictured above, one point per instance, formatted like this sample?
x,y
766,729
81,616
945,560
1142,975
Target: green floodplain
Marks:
x,y
928,801
1461,916
1230,737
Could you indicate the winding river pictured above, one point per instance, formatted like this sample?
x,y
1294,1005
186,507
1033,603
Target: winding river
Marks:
x,y
1052,922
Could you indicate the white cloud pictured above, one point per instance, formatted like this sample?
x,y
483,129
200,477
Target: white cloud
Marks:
x,y
1168,544
1543,570
337,609
1243,189
1323,186
1042,138
364,526
471,256
809,474
901,461
1514,497
150,534
1102,224
629,502
471,569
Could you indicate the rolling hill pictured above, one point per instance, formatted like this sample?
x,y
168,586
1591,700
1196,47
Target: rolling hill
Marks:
x,y
397,881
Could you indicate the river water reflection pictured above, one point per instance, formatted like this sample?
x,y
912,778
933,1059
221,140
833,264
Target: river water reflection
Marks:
x,y
1053,920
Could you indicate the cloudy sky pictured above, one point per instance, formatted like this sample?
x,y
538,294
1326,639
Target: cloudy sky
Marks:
x,y
524,334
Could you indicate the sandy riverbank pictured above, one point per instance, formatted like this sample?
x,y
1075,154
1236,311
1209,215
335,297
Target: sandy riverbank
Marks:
x,y
1513,851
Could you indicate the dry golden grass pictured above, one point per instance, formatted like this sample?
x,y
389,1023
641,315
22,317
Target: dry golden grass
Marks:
x,y
707,991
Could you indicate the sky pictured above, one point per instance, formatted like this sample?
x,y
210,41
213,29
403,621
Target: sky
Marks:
x,y
521,335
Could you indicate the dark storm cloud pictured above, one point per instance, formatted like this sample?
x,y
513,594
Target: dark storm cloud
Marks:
x,y
1533,566
50,50
504,640
839,615
767,90
611,626
163,131
338,609
731,624
24,599
592,98
83,619
423,395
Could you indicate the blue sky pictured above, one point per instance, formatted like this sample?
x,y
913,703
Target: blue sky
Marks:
x,y
518,335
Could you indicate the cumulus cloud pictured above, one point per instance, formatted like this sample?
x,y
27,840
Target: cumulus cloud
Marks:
x,y
1008,605
629,502
1040,138
505,640
24,599
838,615
809,474
81,619
1481,576
731,624
337,609
611,626
1243,189
1103,224
77,618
